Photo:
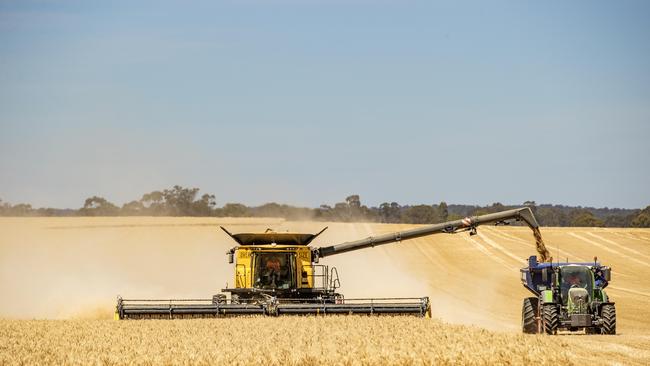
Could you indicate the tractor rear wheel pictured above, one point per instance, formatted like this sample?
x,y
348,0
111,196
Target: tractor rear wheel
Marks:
x,y
608,313
528,314
551,318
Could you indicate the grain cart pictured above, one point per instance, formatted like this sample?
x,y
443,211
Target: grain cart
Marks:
x,y
568,296
278,273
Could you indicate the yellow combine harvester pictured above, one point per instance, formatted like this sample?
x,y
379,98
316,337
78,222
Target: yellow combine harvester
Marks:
x,y
278,274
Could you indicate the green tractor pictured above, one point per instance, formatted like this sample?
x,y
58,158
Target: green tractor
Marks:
x,y
568,296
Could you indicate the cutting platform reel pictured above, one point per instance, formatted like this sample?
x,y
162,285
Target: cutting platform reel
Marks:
x,y
219,307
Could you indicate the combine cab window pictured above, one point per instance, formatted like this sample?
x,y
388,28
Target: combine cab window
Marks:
x,y
575,276
274,270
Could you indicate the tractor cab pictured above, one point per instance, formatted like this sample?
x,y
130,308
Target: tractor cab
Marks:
x,y
576,281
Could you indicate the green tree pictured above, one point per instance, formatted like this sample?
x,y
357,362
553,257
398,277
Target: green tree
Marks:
x,y
324,212
354,206
443,211
619,221
642,219
496,207
180,200
341,212
154,203
353,201
420,214
133,208
98,206
389,212
204,206
21,209
584,218
234,210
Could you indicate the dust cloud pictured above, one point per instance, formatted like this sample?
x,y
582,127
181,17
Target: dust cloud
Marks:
x,y
370,272
59,268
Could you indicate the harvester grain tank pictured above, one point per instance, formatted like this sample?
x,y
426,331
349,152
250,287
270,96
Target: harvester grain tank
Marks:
x,y
568,296
278,273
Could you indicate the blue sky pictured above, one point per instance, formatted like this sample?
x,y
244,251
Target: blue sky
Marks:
x,y
305,102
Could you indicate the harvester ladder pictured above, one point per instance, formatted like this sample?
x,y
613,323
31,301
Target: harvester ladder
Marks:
x,y
241,278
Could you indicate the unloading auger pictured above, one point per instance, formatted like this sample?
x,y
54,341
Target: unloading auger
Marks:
x,y
277,273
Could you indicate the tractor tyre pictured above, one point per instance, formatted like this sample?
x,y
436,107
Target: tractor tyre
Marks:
x,y
528,315
608,312
550,318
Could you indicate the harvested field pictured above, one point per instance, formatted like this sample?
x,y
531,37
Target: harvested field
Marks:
x,y
299,341
71,269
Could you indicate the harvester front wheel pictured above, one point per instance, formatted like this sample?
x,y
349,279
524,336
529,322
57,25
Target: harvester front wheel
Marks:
x,y
528,313
550,318
608,313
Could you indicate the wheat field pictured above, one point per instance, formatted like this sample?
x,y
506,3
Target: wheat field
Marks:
x,y
286,341
59,278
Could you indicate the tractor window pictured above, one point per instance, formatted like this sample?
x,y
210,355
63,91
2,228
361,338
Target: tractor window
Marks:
x,y
274,270
575,276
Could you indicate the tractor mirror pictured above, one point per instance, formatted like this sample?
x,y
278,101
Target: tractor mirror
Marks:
x,y
607,273
231,258
545,275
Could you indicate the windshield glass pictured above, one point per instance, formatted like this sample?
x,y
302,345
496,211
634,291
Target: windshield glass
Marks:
x,y
575,276
274,270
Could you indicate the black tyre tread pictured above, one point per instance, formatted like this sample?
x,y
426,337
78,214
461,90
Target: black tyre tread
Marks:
x,y
608,313
550,318
528,312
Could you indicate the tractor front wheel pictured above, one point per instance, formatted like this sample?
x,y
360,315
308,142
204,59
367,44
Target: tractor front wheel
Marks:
x,y
528,314
551,318
608,313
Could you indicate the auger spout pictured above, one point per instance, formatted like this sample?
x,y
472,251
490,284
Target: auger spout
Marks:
x,y
450,227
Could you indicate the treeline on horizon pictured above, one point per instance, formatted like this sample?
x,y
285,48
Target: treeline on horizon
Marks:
x,y
180,201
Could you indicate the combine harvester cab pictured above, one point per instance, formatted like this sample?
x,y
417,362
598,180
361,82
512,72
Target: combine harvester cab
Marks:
x,y
568,296
277,273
